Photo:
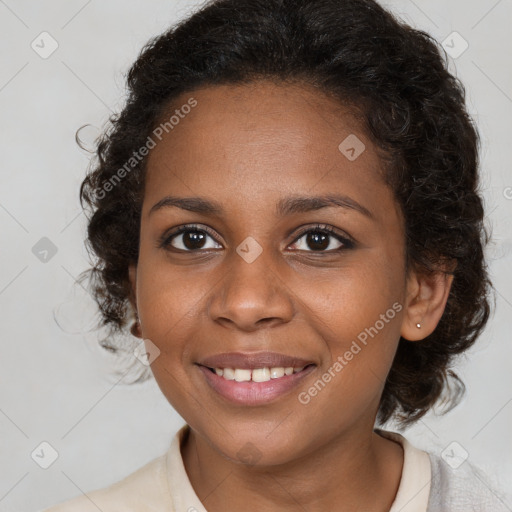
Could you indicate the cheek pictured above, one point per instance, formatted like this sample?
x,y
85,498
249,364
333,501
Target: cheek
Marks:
x,y
169,299
361,345
354,297
169,310
358,315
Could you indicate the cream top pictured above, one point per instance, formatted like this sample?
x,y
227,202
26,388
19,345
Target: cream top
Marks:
x,y
163,485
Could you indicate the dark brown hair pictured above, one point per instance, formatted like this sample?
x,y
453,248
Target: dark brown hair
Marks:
x,y
413,110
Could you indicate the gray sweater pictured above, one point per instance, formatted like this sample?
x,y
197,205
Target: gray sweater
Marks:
x,y
464,489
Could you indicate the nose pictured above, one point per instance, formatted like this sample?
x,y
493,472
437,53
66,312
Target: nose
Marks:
x,y
250,295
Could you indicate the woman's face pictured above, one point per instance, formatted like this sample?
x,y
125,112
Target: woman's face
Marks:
x,y
254,274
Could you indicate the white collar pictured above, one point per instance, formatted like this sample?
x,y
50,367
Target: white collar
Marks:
x,y
414,489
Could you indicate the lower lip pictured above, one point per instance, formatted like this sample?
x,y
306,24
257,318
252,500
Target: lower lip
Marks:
x,y
254,393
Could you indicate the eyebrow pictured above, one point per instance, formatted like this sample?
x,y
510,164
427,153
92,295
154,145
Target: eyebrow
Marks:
x,y
285,206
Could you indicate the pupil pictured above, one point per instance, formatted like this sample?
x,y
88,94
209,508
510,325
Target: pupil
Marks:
x,y
315,237
193,240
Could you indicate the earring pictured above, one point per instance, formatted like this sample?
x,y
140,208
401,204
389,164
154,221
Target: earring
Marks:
x,y
418,326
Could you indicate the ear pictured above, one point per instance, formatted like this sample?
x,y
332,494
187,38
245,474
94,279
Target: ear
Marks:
x,y
425,302
132,275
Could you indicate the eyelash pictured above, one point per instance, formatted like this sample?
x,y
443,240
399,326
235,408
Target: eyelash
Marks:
x,y
165,241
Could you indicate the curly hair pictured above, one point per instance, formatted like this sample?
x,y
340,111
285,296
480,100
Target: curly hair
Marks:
x,y
413,110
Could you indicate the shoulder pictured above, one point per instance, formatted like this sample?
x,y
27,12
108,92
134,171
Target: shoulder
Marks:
x,y
463,488
143,490
433,484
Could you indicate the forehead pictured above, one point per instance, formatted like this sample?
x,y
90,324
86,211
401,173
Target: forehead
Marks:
x,y
251,143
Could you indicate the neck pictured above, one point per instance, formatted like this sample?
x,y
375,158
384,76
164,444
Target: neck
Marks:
x,y
351,472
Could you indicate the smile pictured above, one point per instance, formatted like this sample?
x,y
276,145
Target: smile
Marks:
x,y
256,386
256,374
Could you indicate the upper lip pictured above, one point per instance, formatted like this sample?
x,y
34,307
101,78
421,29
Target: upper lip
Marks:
x,y
251,360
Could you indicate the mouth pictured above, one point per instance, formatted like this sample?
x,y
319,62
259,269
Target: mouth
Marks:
x,y
250,383
264,374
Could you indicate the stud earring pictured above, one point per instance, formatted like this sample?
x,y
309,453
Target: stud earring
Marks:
x,y
418,326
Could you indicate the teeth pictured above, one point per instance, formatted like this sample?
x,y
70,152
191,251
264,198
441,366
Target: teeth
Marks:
x,y
275,373
260,375
242,375
228,373
257,374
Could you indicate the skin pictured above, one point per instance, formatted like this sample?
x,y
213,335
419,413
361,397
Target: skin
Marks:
x,y
247,147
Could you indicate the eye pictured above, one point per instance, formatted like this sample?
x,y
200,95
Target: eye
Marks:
x,y
323,238
189,238
193,238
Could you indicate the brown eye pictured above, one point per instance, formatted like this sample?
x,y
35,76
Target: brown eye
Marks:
x,y
322,239
318,241
189,239
193,240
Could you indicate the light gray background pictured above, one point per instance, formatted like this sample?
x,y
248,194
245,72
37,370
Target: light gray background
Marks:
x,y
54,380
